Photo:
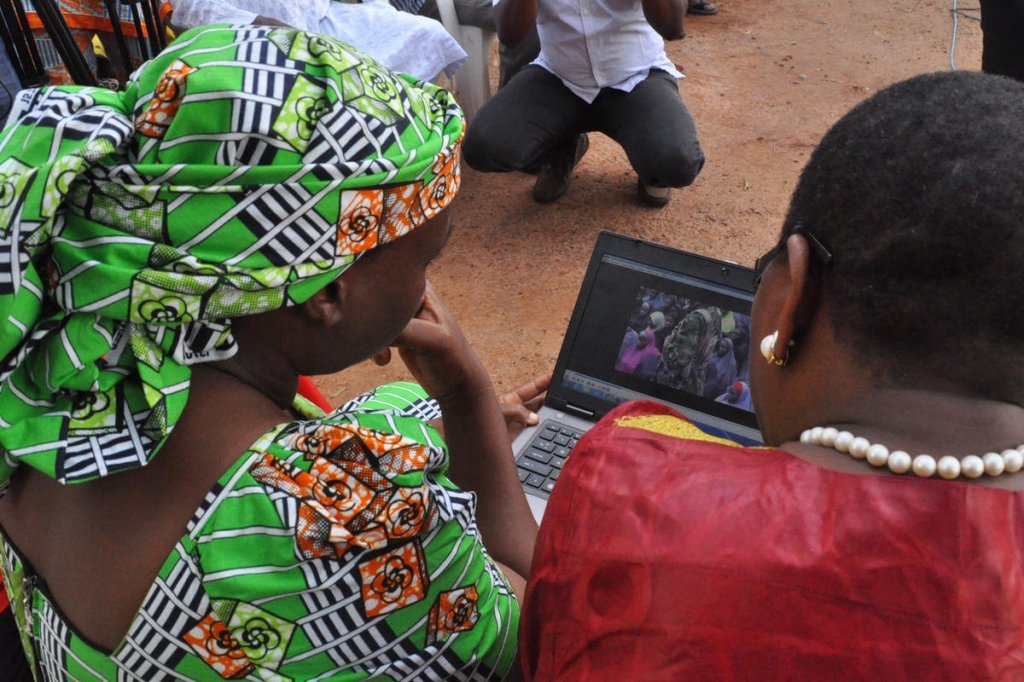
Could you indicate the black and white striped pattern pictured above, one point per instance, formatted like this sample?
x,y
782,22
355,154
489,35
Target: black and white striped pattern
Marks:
x,y
155,643
53,643
343,137
305,235
340,630
436,662
204,507
255,109
91,456
11,253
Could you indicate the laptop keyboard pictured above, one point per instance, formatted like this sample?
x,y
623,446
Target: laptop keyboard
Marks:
x,y
542,462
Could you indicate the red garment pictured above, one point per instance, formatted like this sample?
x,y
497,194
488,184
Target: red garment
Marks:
x,y
309,391
666,558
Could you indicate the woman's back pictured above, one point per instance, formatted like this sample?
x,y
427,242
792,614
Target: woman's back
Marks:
x,y
144,509
706,560
325,540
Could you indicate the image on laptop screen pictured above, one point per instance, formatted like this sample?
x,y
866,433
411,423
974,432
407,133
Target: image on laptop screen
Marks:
x,y
688,345
649,332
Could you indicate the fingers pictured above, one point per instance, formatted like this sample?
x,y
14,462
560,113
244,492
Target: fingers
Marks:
x,y
382,358
519,405
528,391
436,352
535,403
517,413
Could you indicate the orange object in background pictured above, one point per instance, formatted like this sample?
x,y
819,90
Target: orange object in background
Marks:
x,y
85,19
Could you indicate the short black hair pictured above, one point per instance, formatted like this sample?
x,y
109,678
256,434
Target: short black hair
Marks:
x,y
918,192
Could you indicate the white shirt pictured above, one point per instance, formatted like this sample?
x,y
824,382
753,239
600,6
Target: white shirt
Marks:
x,y
415,45
594,44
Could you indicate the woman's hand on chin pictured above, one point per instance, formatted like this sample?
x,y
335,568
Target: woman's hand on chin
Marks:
x,y
437,353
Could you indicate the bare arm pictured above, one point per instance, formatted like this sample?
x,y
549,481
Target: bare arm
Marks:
x,y
665,16
514,20
441,359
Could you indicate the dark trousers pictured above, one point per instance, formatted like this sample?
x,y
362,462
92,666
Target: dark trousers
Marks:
x,y
535,116
1002,28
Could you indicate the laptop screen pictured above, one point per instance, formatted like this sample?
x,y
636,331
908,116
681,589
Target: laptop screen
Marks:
x,y
658,323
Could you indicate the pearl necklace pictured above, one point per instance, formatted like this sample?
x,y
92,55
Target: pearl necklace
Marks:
x,y
948,467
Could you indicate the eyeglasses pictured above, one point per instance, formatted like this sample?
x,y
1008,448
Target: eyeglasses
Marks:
x,y
761,264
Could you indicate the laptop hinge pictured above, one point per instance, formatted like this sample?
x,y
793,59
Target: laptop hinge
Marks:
x,y
578,411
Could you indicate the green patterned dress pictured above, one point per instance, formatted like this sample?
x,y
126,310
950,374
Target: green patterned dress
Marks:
x,y
334,549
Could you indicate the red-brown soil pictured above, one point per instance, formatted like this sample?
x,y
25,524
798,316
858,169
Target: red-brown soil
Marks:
x,y
764,81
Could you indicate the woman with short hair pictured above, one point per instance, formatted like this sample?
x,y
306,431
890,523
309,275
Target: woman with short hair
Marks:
x,y
878,536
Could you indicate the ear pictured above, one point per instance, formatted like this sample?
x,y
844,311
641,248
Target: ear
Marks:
x,y
799,297
327,306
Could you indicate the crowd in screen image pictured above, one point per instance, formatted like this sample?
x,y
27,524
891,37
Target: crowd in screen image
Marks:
x,y
689,346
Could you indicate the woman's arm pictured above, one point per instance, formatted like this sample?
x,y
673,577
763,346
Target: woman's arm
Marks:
x,y
481,460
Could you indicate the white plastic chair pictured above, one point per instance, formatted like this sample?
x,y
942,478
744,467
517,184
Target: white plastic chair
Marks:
x,y
473,80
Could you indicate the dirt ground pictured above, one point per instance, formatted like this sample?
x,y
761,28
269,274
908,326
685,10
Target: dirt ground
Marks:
x,y
764,80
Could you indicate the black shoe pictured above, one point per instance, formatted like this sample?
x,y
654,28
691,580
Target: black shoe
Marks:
x,y
653,195
554,178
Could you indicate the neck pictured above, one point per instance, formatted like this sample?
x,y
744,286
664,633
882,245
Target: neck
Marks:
x,y
921,422
276,388
931,421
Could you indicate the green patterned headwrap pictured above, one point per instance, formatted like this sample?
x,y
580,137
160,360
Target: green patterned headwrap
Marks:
x,y
240,172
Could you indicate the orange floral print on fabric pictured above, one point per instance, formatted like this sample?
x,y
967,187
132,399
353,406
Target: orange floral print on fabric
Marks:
x,y
317,538
212,641
394,580
401,211
454,611
338,509
440,191
379,441
355,458
278,474
409,512
166,101
327,439
322,442
338,490
368,217
360,217
313,535
406,459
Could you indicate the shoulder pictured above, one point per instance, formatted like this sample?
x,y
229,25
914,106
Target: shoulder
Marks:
x,y
648,423
349,522
682,538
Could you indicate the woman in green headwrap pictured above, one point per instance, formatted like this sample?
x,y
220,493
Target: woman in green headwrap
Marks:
x,y
260,203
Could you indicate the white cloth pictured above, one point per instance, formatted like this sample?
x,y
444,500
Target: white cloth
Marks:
x,y
594,44
418,46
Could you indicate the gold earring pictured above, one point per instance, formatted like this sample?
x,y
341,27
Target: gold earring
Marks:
x,y
768,350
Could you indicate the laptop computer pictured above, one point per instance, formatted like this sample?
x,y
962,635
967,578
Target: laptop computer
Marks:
x,y
650,322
